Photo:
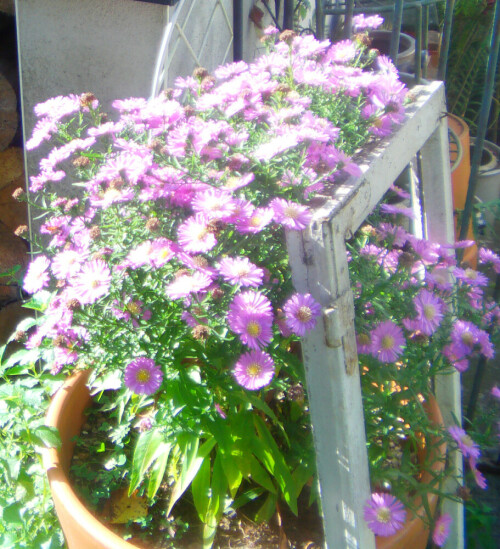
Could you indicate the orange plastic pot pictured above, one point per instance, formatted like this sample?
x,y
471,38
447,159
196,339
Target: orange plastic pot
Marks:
x,y
460,173
81,528
415,532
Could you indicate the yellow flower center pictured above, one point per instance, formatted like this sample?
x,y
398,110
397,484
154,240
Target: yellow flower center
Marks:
x,y
467,441
253,328
111,194
467,338
95,284
242,270
291,212
143,375
387,342
429,311
254,369
304,314
134,308
384,515
255,220
470,273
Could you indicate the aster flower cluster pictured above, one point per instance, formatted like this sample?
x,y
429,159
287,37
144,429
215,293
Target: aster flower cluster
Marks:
x,y
418,315
168,273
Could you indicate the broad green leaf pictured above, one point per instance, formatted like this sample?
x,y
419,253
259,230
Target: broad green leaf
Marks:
x,y
158,471
46,436
201,490
271,457
260,476
11,514
267,509
22,357
193,456
247,497
219,490
233,473
146,451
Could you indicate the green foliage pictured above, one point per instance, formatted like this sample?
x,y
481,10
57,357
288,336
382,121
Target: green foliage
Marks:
x,y
27,515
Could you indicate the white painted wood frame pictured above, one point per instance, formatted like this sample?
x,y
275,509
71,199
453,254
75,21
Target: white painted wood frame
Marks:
x,y
319,266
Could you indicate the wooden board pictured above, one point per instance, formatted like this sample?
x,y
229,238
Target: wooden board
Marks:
x,y
8,113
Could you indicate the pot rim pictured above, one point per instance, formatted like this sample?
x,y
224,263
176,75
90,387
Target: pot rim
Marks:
x,y
56,468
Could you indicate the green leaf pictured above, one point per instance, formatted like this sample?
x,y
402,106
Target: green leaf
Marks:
x,y
260,476
147,449
272,459
158,471
46,436
23,356
232,471
200,487
11,514
267,509
192,458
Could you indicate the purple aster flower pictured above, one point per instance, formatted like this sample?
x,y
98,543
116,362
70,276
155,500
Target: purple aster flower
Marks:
x,y
143,376
489,256
442,530
256,221
387,341
213,204
495,391
465,444
250,316
471,277
254,370
290,214
186,284
239,270
92,282
195,236
362,22
58,107
384,514
429,312
478,476
37,276
301,312
66,264
464,336
394,209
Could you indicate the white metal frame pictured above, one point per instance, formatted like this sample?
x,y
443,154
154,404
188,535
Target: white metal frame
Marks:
x,y
175,36
319,266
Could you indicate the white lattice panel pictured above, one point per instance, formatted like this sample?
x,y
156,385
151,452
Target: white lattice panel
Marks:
x,y
198,33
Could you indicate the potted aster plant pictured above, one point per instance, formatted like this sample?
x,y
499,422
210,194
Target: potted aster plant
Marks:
x,y
165,287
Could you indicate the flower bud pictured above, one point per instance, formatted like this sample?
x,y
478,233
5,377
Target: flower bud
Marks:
x,y
287,36
80,162
20,336
73,304
200,332
94,232
18,194
153,224
86,99
21,230
200,72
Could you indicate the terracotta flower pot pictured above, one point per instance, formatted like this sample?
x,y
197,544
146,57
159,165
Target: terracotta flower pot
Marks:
x,y
460,173
81,528
415,533
84,531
